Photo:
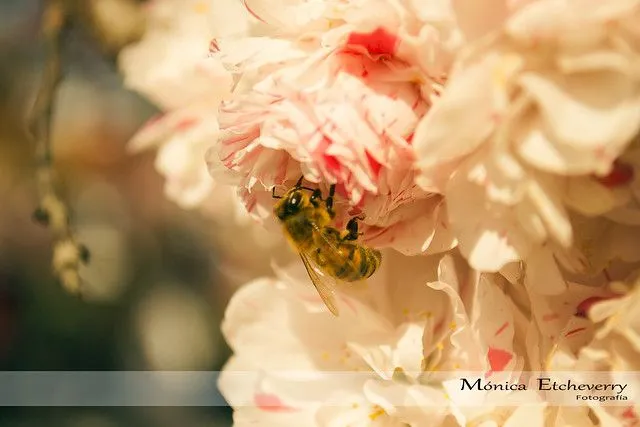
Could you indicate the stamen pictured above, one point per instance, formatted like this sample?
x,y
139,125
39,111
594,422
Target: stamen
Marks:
x,y
377,412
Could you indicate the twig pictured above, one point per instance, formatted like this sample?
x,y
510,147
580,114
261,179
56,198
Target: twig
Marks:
x,y
68,254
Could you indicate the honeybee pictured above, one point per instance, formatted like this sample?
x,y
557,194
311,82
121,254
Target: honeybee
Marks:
x,y
328,254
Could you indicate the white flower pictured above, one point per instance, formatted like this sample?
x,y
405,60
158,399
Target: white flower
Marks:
x,y
170,66
609,348
281,329
507,128
550,99
389,352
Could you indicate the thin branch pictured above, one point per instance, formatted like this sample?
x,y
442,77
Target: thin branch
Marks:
x,y
68,254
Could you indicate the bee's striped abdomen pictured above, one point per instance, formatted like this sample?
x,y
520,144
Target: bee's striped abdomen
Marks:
x,y
373,259
360,262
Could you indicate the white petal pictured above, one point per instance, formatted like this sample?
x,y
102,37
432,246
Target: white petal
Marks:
x,y
565,21
238,381
534,142
588,197
468,99
530,415
545,196
543,275
249,416
477,19
489,235
594,112
597,60
416,405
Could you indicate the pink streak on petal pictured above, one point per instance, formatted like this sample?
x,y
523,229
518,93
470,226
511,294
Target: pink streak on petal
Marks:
x,y
377,42
374,164
341,190
550,317
438,327
574,331
271,403
213,46
583,308
251,206
252,12
241,137
502,328
154,120
629,414
621,174
498,359
332,164
409,139
186,124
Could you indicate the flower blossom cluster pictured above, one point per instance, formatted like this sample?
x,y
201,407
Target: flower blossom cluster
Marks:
x,y
492,149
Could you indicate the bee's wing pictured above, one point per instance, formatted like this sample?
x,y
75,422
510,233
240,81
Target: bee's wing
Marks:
x,y
324,284
331,245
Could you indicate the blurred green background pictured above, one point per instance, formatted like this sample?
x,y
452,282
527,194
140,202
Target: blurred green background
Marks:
x,y
155,292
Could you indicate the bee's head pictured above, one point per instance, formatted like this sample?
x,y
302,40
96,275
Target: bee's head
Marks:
x,y
291,203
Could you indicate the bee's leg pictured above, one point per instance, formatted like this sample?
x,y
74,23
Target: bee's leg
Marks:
x,y
273,193
329,201
316,197
351,233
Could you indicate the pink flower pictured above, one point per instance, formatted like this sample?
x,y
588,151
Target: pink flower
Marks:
x,y
336,96
343,116
423,34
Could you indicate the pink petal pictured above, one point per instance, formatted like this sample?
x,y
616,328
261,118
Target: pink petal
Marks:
x,y
377,42
255,15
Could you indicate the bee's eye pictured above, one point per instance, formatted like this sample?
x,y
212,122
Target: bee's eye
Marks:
x,y
294,200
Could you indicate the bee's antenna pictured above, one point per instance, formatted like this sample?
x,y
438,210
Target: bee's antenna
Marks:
x,y
273,193
299,183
